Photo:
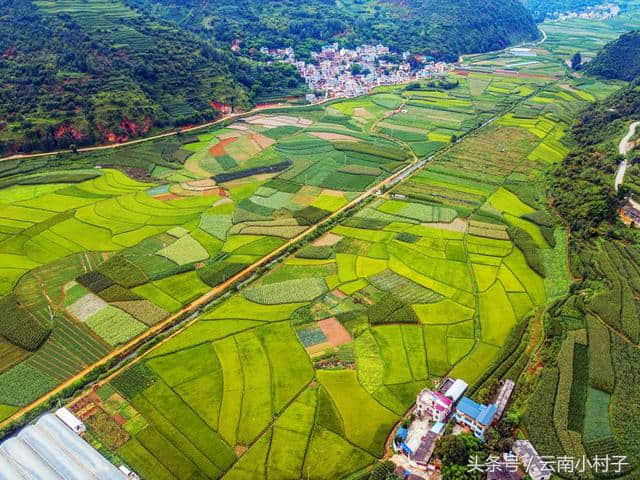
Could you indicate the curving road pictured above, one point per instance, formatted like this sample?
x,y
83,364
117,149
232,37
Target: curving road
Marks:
x,y
625,146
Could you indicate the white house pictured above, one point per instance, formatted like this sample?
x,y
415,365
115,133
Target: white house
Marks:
x,y
71,421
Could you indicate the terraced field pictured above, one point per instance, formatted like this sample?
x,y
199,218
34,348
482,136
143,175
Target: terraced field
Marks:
x,y
92,257
303,372
95,256
588,36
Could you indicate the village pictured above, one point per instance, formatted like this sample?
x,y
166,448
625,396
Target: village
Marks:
x,y
343,72
446,409
597,12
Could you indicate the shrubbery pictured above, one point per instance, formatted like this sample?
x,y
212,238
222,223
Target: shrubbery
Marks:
x,y
19,327
273,168
95,281
390,309
538,420
525,243
601,374
122,271
134,380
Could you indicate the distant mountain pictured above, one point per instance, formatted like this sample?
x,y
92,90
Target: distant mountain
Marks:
x,y
442,28
619,59
80,72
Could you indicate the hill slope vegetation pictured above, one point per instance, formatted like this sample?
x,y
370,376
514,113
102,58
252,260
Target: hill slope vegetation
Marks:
x,y
620,59
444,28
80,73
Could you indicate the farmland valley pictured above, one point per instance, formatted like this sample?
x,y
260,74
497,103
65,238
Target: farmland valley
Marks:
x,y
267,296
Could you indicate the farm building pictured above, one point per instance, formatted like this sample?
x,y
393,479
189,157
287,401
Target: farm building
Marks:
x,y
71,421
438,404
504,469
503,397
535,466
49,450
419,446
475,416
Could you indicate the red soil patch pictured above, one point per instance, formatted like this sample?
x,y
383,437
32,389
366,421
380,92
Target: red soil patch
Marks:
x,y
221,107
80,404
86,414
165,197
218,149
339,294
266,105
63,130
120,420
334,331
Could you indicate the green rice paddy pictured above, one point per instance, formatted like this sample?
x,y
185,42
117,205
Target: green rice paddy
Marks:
x,y
424,281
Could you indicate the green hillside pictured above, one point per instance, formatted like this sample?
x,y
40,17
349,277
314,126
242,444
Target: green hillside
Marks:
x,y
77,72
591,345
80,73
444,28
619,59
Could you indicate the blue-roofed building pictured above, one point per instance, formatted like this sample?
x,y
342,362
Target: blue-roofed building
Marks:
x,y
475,416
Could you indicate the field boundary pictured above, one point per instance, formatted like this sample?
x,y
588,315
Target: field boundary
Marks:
x,y
196,305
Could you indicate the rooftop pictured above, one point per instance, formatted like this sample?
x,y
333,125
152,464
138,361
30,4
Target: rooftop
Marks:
x,y
446,384
482,414
426,448
48,449
443,399
456,390
438,427
537,468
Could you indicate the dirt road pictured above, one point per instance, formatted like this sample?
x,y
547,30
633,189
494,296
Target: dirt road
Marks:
x,y
224,118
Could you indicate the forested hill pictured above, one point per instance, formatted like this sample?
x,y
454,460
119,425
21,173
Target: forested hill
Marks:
x,y
619,59
444,28
541,9
78,72
602,303
582,186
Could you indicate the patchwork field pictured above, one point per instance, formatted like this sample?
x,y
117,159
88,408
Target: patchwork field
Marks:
x,y
588,36
92,256
303,372
437,277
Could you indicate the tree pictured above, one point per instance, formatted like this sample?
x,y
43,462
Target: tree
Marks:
x,y
456,449
356,69
576,61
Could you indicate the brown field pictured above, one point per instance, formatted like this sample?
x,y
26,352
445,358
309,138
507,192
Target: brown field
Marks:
x,y
334,331
334,136
327,240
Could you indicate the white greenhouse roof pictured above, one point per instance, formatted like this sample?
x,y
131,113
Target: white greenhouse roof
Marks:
x,y
49,450
456,390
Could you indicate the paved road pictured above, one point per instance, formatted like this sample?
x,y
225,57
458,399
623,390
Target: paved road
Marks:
x,y
625,145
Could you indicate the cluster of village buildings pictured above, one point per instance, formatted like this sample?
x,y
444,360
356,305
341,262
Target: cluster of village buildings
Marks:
x,y
344,72
434,409
597,12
